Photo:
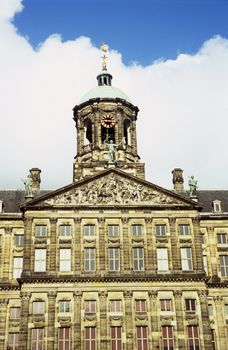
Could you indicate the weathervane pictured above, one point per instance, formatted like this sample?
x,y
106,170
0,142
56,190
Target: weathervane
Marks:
x,y
104,49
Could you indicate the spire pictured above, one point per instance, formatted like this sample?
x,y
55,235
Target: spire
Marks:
x,y
104,78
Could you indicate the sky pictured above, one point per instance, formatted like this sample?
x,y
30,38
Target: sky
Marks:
x,y
169,56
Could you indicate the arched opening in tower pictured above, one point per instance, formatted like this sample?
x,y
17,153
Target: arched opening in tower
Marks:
x,y
127,132
107,134
87,132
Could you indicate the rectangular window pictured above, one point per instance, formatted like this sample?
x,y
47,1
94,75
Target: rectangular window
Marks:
x,y
186,259
190,304
226,310
140,305
90,259
160,230
17,267
65,260
15,313
89,230
65,231
19,240
13,341
40,260
115,305
136,230
166,304
41,231
38,307
114,259
224,265
193,338
167,338
138,259
64,338
90,338
184,230
213,339
64,306
162,259
205,264
222,238
116,338
113,230
90,306
210,310
142,338
37,340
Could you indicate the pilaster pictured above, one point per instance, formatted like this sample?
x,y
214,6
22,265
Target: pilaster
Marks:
x,y
128,320
51,320
77,317
23,340
103,320
180,320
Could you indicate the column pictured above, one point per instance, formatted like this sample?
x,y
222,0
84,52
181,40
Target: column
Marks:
x,y
149,254
126,246
205,319
102,252
213,251
3,320
77,246
128,320
175,249
180,320
23,339
27,263
154,319
51,320
221,336
103,320
53,245
7,254
77,320
197,246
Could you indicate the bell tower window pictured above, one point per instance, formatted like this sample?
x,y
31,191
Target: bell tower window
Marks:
x,y
127,132
107,134
87,132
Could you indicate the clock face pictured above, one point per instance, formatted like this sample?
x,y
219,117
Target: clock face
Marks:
x,y
108,121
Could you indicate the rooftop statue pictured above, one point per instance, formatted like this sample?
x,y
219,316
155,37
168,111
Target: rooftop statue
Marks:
x,y
192,182
28,186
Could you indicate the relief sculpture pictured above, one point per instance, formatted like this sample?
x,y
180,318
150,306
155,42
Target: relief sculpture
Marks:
x,y
111,189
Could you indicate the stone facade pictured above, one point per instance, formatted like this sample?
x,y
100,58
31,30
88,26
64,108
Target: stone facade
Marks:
x,y
112,261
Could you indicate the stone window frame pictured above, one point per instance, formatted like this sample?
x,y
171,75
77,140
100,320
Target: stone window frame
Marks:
x,y
142,337
187,259
37,337
116,337
40,262
65,261
63,230
166,304
64,306
168,337
140,305
217,206
64,339
193,338
114,259
19,240
138,262
38,307
90,306
223,265
13,340
137,230
91,259
90,337
15,313
162,260
17,270
40,230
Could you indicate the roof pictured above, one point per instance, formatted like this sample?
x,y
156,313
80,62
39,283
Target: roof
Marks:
x,y
13,199
104,91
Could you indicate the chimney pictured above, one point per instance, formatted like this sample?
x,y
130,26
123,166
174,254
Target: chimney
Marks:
x,y
178,179
35,173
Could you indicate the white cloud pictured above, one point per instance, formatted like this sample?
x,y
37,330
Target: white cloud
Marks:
x,y
183,107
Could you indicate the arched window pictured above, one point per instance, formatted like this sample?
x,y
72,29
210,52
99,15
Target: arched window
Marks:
x,y
127,132
87,132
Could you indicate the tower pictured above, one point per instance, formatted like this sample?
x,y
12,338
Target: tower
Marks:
x,y
106,129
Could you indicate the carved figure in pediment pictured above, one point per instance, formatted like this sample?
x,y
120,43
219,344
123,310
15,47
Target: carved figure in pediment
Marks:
x,y
112,189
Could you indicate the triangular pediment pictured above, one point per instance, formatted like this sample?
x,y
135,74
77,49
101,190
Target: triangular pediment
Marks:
x,y
112,188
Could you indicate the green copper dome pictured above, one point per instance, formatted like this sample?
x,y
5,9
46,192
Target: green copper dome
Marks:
x,y
104,91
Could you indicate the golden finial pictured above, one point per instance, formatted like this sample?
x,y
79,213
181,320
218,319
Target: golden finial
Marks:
x,y
104,49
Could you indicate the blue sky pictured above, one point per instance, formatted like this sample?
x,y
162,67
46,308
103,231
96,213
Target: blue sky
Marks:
x,y
169,56
142,30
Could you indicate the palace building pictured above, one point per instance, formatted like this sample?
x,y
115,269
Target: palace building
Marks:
x,y
112,261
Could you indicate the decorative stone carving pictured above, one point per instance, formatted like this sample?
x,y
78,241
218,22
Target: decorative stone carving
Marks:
x,y
112,189
90,317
